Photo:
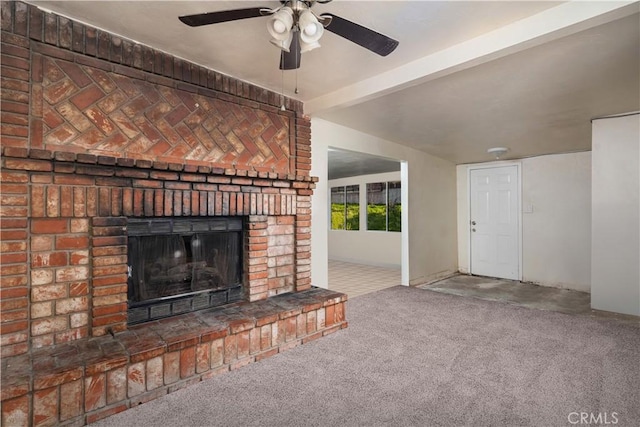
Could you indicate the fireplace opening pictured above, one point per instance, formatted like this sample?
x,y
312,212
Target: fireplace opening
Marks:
x,y
178,265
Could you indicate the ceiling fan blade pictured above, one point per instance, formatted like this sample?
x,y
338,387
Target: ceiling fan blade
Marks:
x,y
222,16
291,60
369,39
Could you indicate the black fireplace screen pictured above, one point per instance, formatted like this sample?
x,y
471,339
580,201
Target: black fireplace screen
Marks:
x,y
182,264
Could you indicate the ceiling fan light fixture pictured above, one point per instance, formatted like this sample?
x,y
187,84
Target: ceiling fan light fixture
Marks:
x,y
306,47
295,28
310,28
280,23
284,44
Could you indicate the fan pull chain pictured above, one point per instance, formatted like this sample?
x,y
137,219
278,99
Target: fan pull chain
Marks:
x,y
298,53
282,88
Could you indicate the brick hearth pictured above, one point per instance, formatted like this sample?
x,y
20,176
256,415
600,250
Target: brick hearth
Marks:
x,y
98,130
86,380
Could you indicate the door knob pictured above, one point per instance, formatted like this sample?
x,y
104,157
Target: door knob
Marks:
x,y
473,223
473,229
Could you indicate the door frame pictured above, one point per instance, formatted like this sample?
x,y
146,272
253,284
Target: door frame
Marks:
x,y
493,165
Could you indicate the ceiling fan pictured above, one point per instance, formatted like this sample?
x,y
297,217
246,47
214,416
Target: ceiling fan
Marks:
x,y
296,29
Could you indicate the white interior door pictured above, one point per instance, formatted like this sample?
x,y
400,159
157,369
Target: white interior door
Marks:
x,y
493,225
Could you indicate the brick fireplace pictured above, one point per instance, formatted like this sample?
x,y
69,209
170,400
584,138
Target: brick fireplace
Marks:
x,y
99,135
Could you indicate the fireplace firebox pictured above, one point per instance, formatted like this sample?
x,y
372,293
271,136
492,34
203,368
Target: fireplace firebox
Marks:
x,y
178,265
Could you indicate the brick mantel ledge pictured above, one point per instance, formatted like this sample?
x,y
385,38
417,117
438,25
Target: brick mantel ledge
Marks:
x,y
88,379
125,162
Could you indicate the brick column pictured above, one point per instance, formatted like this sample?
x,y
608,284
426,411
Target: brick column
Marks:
x,y
303,240
14,292
14,202
303,145
109,275
59,273
281,254
255,258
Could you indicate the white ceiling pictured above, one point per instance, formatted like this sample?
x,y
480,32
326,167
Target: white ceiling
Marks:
x,y
467,75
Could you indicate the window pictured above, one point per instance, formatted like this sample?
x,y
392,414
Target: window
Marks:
x,y
384,206
377,206
337,208
394,207
345,208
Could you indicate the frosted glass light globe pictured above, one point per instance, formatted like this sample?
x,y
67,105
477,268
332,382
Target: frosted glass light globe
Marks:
x,y
310,30
279,27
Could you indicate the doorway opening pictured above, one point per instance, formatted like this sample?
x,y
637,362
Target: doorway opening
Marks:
x,y
368,222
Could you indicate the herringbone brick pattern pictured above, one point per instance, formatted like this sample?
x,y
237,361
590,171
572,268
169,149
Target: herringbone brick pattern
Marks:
x,y
86,109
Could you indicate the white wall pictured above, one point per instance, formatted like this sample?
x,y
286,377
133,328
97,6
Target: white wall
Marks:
x,y
381,248
430,200
615,256
556,220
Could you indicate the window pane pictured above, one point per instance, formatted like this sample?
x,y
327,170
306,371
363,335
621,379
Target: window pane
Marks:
x,y
353,207
337,208
395,207
377,206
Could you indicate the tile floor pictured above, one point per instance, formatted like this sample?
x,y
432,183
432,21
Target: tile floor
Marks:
x,y
359,279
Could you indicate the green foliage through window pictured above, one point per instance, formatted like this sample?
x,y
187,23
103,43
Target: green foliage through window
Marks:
x,y
377,206
384,209
394,207
345,208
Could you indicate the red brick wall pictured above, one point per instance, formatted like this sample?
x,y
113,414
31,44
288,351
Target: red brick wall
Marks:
x,y
94,92
89,105
59,266
96,129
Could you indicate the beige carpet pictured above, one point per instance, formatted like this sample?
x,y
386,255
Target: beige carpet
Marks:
x,y
413,357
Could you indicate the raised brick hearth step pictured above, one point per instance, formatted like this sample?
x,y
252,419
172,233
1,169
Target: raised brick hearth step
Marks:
x,y
85,380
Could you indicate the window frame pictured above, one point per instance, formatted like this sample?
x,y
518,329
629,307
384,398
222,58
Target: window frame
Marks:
x,y
347,220
387,207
